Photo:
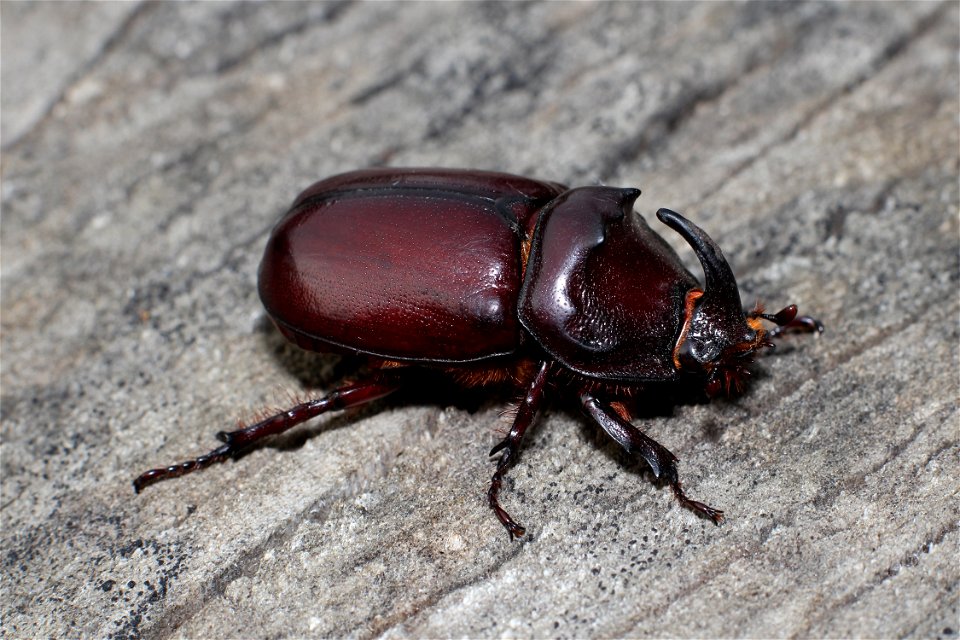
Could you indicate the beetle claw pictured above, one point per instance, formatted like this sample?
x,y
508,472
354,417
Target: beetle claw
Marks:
x,y
514,529
698,507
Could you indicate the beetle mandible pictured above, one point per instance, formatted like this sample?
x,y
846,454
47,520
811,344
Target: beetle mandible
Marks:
x,y
499,278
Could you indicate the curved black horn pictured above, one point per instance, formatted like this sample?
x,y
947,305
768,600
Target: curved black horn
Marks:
x,y
720,285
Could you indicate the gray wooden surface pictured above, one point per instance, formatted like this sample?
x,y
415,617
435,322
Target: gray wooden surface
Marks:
x,y
147,150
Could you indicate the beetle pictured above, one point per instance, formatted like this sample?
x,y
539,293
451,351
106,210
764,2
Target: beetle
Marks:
x,y
497,278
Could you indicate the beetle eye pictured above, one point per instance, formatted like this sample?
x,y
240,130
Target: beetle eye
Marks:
x,y
687,355
695,355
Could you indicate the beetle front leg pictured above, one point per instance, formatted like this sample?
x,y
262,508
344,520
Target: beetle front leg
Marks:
x,y
661,461
788,321
510,446
800,324
236,441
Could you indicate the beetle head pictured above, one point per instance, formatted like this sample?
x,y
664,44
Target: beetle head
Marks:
x,y
717,338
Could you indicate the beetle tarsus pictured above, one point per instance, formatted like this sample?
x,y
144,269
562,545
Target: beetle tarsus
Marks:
x,y
515,530
698,507
155,475
510,446
241,439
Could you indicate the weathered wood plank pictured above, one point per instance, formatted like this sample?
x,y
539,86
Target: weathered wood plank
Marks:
x,y
146,155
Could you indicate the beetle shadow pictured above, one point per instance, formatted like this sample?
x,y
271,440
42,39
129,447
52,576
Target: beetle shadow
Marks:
x,y
318,374
313,371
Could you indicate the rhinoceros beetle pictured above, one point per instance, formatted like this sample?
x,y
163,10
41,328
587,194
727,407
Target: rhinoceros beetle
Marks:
x,y
499,278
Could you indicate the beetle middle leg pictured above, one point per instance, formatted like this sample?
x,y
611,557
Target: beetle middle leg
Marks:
x,y
661,461
351,395
510,446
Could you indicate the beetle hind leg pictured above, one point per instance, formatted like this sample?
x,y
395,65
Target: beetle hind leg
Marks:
x,y
510,447
236,441
662,463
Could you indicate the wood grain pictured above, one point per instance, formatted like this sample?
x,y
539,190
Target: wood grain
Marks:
x,y
149,147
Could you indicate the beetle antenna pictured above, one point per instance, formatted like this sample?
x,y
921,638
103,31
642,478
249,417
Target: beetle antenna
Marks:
x,y
783,317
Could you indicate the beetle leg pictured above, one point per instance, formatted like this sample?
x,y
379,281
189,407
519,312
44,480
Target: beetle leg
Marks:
x,y
787,321
236,441
661,461
800,324
510,446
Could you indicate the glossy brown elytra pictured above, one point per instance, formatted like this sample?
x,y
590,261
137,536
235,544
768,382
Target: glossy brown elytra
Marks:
x,y
497,278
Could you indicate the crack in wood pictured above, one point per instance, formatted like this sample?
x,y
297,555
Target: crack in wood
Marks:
x,y
247,561
332,12
887,55
824,611
416,608
110,44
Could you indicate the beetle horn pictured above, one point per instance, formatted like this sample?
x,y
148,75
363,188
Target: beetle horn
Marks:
x,y
720,286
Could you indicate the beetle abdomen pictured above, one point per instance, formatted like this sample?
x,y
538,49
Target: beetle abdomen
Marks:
x,y
406,271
